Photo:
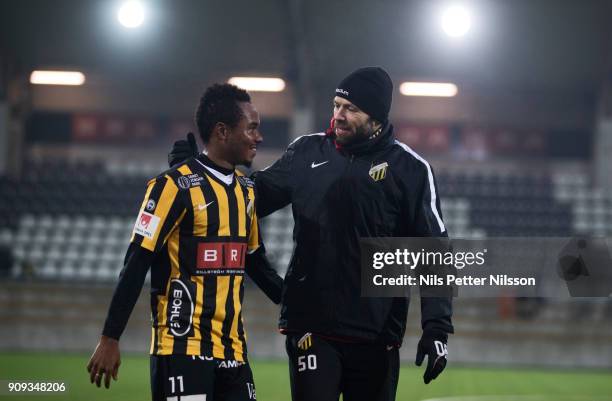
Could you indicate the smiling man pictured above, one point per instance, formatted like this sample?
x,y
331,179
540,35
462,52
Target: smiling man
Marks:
x,y
353,181
198,231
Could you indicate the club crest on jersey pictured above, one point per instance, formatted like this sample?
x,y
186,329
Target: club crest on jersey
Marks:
x,y
379,172
183,182
305,342
150,205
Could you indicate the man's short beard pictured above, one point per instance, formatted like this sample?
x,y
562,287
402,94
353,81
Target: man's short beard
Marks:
x,y
366,131
362,133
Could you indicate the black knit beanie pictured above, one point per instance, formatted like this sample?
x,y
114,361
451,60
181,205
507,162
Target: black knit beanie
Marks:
x,y
370,89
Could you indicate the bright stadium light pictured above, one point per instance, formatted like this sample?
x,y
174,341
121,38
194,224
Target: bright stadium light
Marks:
x,y
257,84
436,89
131,14
40,77
456,21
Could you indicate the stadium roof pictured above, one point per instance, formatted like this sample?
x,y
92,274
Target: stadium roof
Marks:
x,y
543,44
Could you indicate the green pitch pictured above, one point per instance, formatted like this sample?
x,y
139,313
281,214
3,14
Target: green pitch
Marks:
x,y
272,381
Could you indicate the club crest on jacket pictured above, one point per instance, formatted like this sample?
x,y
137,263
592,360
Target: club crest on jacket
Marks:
x,y
379,171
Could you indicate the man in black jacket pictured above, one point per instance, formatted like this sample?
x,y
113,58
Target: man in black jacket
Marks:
x,y
354,180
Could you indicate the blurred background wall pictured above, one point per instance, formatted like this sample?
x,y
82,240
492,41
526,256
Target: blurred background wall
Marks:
x,y
522,149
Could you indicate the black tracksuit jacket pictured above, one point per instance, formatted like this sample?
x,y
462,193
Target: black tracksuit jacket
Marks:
x,y
335,202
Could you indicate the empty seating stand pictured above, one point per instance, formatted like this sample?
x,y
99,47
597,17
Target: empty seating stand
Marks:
x,y
73,221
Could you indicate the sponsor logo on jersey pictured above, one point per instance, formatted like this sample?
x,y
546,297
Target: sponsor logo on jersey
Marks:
x,y
379,172
190,180
225,363
230,363
180,308
202,357
219,257
305,342
146,224
245,181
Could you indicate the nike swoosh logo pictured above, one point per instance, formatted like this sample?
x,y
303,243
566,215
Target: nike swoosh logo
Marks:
x,y
202,207
313,165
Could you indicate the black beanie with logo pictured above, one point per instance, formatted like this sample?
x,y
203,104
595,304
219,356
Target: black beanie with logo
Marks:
x,y
370,89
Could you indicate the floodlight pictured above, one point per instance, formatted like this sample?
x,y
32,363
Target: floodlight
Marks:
x,y
436,89
258,84
131,14
456,21
40,77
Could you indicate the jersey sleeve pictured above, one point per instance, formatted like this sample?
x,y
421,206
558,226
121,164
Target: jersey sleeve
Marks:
x,y
160,213
131,280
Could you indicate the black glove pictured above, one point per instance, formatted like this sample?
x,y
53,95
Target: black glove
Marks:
x,y
183,150
432,344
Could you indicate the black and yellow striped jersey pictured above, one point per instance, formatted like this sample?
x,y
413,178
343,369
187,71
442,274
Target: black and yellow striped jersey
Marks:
x,y
200,225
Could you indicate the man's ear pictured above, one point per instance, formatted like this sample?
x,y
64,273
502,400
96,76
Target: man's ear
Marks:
x,y
220,131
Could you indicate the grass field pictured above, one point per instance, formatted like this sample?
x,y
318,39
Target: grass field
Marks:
x,y
272,381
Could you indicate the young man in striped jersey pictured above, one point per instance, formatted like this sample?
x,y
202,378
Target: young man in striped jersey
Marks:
x,y
198,231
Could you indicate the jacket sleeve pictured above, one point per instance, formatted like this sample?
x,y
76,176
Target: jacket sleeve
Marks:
x,y
257,265
267,279
436,312
395,326
273,185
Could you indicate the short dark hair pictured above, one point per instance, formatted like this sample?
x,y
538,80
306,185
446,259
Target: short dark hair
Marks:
x,y
219,103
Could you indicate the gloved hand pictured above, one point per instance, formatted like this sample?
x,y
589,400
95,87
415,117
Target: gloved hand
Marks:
x,y
432,344
183,150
